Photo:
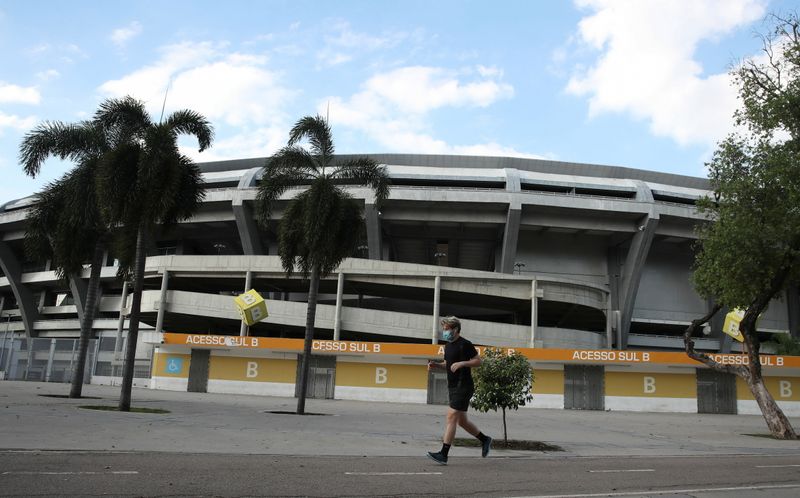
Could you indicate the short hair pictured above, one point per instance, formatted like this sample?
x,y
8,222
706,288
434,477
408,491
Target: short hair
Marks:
x,y
452,322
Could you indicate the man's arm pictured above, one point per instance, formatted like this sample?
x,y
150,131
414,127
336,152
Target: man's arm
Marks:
x,y
473,363
436,365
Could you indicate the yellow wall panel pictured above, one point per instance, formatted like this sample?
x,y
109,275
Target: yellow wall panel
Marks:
x,y
382,375
651,385
171,365
252,369
781,388
548,382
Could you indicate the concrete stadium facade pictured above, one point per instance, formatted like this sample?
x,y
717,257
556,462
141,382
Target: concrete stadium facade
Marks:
x,y
529,253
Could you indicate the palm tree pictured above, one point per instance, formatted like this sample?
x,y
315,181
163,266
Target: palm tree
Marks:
x,y
145,182
65,224
318,229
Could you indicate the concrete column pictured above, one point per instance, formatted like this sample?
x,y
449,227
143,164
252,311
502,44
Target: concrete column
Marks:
x,y
248,283
162,303
78,288
609,323
534,312
247,227
510,237
337,318
632,272
373,223
12,269
121,323
437,291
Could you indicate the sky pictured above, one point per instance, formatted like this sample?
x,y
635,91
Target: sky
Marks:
x,y
636,83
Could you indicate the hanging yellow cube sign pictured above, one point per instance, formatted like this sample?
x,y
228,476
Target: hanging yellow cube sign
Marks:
x,y
731,325
252,307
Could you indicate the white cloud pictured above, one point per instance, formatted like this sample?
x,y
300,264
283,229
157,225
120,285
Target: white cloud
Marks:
x,y
48,75
121,36
15,94
343,44
235,91
393,108
647,65
16,122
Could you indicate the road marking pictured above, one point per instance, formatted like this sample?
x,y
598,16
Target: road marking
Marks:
x,y
651,492
776,466
392,473
625,470
43,473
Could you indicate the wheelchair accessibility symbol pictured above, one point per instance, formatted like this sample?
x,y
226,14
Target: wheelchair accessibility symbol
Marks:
x,y
174,365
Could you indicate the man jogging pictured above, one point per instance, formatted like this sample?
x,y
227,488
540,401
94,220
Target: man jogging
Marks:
x,y
460,356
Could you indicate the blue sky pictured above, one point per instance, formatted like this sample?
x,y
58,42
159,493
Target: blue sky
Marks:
x,y
636,83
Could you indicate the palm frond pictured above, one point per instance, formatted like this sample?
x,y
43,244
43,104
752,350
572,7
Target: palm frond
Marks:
x,y
365,171
290,166
54,138
189,122
316,130
127,117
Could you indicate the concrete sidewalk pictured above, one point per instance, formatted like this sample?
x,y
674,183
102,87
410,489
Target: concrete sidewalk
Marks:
x,y
237,424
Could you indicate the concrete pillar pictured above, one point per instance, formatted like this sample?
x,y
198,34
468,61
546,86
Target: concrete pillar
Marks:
x,y
12,269
510,237
248,283
246,226
121,323
534,312
337,319
437,291
609,323
632,272
373,222
78,287
162,303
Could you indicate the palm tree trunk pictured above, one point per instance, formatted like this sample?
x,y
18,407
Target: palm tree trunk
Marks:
x,y
88,320
133,324
313,289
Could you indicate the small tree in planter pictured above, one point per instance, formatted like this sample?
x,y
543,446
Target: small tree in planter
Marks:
x,y
502,381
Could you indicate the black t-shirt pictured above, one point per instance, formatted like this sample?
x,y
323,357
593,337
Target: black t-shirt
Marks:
x,y
459,350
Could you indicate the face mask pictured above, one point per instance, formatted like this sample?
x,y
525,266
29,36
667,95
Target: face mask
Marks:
x,y
447,335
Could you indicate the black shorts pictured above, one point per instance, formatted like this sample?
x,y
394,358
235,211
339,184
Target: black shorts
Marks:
x,y
460,396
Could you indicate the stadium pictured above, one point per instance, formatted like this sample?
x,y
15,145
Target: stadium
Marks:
x,y
550,258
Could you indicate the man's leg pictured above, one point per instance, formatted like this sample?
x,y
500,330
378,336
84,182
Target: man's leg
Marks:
x,y
452,422
486,441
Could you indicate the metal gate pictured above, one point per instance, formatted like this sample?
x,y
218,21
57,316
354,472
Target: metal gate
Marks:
x,y
437,388
198,371
321,376
716,392
584,387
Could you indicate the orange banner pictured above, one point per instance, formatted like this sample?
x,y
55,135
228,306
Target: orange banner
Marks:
x,y
587,356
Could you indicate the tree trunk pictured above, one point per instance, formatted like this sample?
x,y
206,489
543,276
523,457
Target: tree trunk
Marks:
x,y
776,420
88,320
133,324
505,431
313,289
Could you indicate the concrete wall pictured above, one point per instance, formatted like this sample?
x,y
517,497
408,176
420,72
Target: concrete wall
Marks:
x,y
576,256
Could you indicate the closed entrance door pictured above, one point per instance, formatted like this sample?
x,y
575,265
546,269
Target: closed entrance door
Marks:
x,y
716,392
321,376
584,387
198,371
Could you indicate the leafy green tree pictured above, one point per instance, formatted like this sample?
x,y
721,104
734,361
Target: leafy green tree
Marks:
x,y
748,253
502,381
319,227
65,224
785,344
145,182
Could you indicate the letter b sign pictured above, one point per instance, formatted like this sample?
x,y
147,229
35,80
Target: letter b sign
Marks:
x,y
251,307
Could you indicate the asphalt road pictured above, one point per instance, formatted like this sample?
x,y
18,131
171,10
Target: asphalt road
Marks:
x,y
102,473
